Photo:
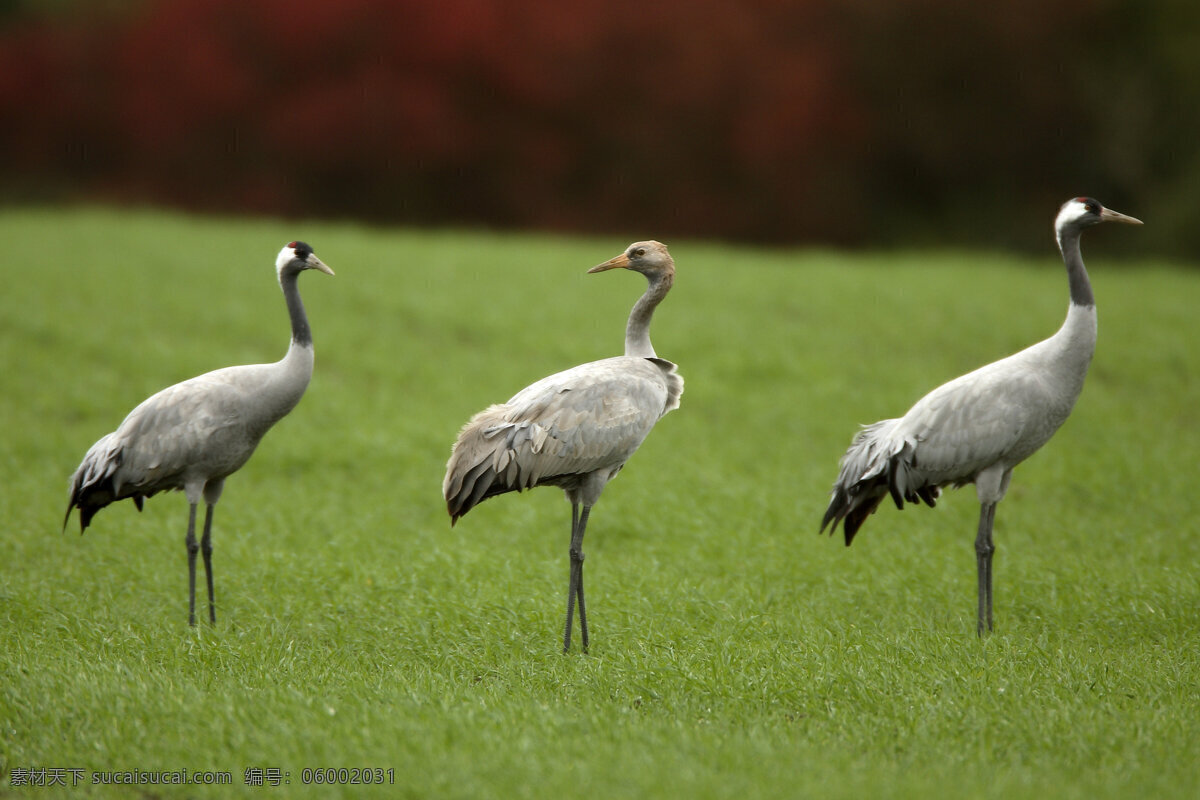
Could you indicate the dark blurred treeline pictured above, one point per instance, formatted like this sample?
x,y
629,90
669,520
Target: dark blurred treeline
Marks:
x,y
818,121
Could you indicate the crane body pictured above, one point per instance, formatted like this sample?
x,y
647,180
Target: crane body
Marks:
x,y
978,427
574,429
195,434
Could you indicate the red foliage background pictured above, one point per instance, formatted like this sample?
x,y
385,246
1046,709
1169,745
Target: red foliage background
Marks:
x,y
813,120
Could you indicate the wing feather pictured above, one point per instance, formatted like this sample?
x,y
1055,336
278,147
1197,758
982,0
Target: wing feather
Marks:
x,y
970,423
201,425
589,418
998,414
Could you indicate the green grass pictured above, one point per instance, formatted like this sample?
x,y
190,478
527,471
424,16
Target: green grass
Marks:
x,y
734,651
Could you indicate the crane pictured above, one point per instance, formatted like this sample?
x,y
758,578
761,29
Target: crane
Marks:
x,y
979,426
574,429
195,434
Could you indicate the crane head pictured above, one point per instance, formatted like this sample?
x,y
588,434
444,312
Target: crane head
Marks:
x,y
1083,212
297,256
649,258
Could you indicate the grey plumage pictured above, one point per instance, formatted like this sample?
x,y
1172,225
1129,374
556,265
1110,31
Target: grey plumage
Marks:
x,y
561,429
978,427
193,435
574,429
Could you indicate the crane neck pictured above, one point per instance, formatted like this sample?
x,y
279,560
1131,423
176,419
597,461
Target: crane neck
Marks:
x,y
1077,277
637,330
301,333
1075,341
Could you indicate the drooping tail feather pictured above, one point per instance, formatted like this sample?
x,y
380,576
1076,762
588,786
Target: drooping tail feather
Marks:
x,y
485,461
876,464
93,486
477,484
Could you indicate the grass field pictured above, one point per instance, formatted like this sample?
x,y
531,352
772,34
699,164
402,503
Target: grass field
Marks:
x,y
734,651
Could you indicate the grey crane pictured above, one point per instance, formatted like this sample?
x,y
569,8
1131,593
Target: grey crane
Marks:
x,y
195,434
979,426
575,429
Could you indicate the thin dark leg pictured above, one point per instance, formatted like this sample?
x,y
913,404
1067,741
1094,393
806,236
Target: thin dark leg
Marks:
x,y
983,560
192,549
582,613
575,586
571,582
206,549
583,632
990,558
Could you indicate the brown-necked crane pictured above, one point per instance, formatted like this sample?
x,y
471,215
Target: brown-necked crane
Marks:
x,y
195,434
575,429
978,427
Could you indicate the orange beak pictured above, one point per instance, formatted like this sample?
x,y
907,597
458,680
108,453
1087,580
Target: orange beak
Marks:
x,y
620,262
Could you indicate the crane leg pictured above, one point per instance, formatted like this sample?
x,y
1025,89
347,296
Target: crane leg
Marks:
x,y
575,585
583,631
983,560
206,549
571,591
192,548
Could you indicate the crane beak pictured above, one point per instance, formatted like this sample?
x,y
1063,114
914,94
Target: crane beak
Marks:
x,y
312,262
620,262
1108,215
